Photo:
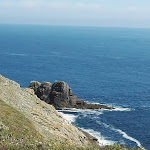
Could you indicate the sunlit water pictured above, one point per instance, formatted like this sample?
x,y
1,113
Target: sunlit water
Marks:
x,y
102,65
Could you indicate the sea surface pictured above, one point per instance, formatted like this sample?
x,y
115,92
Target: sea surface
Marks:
x,y
109,66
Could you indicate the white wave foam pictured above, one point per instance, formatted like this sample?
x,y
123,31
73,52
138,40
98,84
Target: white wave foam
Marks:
x,y
83,112
88,112
69,117
96,112
124,135
102,141
128,137
92,102
68,110
117,108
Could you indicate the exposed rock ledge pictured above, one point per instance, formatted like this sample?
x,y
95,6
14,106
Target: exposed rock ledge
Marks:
x,y
47,121
60,95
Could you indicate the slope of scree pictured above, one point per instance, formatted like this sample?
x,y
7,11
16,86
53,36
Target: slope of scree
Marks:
x,y
46,120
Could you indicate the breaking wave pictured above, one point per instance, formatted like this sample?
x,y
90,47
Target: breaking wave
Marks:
x,y
102,141
124,135
69,117
81,111
118,108
72,114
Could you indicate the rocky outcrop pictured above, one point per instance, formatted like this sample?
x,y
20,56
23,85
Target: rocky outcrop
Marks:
x,y
46,120
60,95
43,91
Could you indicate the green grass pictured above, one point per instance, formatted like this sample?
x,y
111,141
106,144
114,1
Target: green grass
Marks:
x,y
18,133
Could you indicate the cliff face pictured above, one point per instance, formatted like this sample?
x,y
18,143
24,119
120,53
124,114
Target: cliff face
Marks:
x,y
46,120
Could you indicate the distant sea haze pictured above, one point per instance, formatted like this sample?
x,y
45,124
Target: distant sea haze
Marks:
x,y
102,65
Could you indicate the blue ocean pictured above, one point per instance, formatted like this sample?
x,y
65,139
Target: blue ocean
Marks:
x,y
109,66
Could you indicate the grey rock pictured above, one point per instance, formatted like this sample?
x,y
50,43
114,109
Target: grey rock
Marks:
x,y
43,91
34,85
61,95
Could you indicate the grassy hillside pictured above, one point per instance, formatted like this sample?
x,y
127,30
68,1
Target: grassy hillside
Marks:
x,y
18,133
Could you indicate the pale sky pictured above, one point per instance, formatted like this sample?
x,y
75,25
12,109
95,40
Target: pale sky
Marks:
x,y
106,13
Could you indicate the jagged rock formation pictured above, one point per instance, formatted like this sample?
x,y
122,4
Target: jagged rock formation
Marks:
x,y
46,120
60,95
43,91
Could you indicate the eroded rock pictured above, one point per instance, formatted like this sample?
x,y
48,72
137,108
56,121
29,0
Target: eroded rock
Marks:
x,y
43,91
60,95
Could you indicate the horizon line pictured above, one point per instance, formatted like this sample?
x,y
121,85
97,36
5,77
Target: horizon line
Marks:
x,y
90,26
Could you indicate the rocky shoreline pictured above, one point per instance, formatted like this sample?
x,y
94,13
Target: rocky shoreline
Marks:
x,y
26,113
60,95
